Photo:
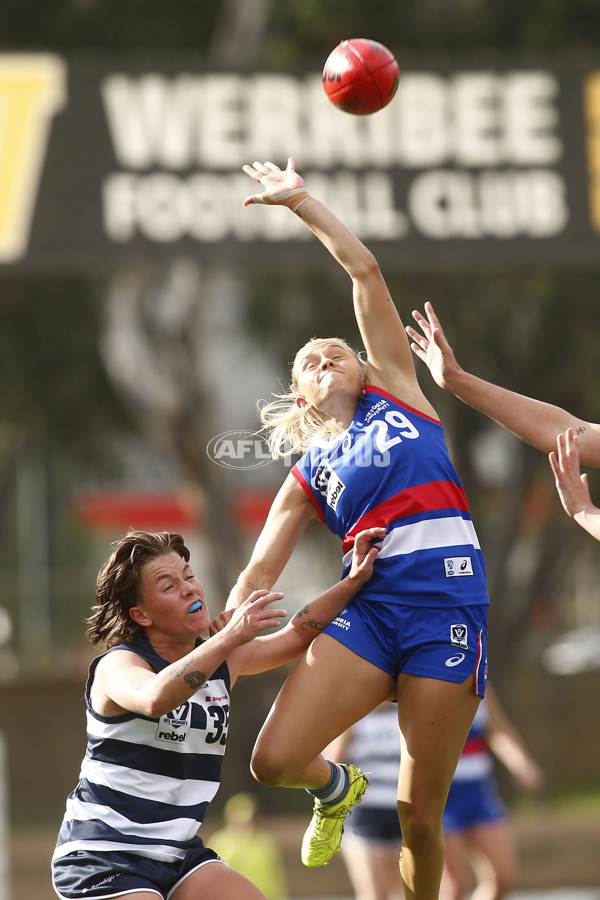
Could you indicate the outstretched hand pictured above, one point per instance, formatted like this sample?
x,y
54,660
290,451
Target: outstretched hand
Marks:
x,y
571,484
431,345
282,187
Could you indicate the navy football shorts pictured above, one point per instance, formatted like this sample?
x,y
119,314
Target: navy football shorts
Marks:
x,y
377,825
98,875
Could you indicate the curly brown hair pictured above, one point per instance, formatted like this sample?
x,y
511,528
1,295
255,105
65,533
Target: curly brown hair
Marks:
x,y
118,582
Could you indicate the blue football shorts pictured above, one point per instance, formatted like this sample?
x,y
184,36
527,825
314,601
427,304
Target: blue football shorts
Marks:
x,y
472,802
448,643
98,875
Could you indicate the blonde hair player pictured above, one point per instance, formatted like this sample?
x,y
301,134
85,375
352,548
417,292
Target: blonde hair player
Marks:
x,y
373,451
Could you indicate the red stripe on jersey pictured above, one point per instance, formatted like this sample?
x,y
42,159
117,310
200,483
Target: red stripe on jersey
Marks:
x,y
306,488
434,495
475,744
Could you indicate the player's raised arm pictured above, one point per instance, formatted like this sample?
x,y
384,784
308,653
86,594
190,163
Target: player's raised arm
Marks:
x,y
534,421
390,364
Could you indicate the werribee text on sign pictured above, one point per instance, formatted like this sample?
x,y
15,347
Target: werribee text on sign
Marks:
x,y
467,155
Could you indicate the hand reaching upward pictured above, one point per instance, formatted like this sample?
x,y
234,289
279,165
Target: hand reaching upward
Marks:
x,y
280,185
431,345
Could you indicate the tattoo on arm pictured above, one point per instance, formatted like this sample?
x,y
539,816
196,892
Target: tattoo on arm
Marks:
x,y
309,624
579,430
195,679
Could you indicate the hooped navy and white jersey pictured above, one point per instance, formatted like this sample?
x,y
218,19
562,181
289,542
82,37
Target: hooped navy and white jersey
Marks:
x,y
391,468
375,748
145,783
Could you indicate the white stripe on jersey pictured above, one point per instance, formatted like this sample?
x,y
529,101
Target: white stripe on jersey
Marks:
x,y
157,851
185,829
429,534
474,766
148,785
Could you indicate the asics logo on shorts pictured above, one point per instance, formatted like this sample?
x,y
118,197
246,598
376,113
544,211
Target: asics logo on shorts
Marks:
x,y
455,660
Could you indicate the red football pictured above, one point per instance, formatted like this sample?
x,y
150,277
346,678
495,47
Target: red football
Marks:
x,y
360,76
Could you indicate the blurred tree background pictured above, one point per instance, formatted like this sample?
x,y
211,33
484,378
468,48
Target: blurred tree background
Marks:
x,y
73,404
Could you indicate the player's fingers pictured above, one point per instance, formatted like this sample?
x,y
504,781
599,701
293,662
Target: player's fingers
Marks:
x,y
259,594
418,350
431,312
421,321
419,339
253,198
263,598
258,198
272,167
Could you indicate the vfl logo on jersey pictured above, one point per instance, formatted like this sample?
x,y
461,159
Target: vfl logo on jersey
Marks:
x,y
459,635
329,483
458,565
32,90
174,726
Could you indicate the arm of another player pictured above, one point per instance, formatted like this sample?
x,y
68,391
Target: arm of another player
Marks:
x,y
535,422
507,745
572,485
270,651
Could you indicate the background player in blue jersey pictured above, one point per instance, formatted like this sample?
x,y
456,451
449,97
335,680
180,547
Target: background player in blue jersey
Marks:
x,y
157,718
567,439
373,453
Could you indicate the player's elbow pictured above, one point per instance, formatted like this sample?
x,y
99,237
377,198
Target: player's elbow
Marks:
x,y
365,267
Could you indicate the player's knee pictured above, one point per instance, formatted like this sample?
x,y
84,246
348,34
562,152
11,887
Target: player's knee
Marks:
x,y
420,828
266,767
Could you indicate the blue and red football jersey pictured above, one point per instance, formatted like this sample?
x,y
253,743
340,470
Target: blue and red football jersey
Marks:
x,y
391,468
